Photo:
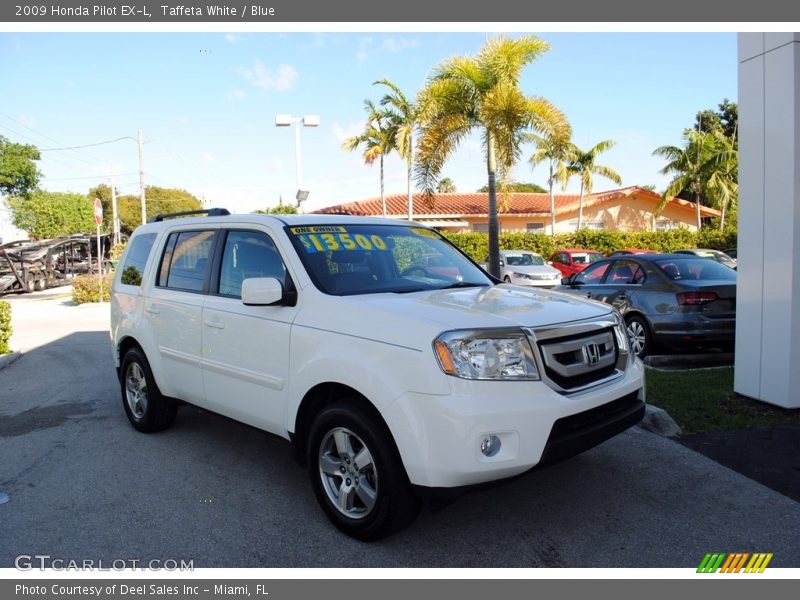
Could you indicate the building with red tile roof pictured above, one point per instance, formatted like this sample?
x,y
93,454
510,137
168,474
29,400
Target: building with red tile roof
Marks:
x,y
626,209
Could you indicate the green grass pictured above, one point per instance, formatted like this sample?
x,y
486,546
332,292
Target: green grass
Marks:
x,y
704,400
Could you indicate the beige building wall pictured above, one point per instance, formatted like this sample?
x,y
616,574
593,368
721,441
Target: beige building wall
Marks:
x,y
631,213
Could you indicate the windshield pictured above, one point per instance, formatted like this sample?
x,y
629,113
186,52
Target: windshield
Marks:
x,y
696,269
369,259
523,259
585,258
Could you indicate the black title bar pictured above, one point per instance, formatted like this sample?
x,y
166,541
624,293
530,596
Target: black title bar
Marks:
x,y
411,11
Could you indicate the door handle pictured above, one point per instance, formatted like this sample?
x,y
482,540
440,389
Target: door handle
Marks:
x,y
588,294
215,324
153,309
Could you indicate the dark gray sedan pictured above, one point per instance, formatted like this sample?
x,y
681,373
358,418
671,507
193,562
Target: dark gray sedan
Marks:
x,y
670,300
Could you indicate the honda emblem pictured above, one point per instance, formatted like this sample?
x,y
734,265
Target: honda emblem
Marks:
x,y
591,354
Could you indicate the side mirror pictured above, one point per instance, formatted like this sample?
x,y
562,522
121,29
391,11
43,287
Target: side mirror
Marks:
x,y
261,291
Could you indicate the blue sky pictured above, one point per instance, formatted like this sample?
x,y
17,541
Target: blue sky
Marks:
x,y
207,102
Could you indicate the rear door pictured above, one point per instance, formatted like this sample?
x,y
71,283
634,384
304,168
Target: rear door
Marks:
x,y
173,312
246,348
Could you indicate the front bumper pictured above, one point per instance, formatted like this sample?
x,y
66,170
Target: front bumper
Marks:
x,y
439,437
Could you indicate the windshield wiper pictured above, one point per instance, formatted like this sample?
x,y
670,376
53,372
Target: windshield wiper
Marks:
x,y
464,284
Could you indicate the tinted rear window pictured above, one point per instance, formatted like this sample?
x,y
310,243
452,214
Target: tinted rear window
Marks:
x,y
137,257
697,269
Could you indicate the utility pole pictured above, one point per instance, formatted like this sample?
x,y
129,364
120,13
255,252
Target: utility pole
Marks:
x,y
141,177
114,216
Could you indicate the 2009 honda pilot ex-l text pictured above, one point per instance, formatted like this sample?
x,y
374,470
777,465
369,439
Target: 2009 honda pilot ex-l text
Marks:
x,y
391,380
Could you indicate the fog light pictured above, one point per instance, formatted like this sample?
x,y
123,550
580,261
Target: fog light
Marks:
x,y
490,446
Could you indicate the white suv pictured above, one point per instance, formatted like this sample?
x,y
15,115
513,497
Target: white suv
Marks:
x,y
393,380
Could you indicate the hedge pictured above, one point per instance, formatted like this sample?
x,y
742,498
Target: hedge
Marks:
x,y
5,327
86,288
476,245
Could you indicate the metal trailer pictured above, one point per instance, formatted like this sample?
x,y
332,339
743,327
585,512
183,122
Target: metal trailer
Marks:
x,y
27,266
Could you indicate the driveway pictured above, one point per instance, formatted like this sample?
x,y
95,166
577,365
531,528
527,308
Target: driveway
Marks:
x,y
83,485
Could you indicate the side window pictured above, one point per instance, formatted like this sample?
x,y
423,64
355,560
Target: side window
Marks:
x,y
133,268
185,260
625,272
592,275
248,254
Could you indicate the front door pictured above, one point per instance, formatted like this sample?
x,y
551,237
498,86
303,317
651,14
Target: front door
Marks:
x,y
246,348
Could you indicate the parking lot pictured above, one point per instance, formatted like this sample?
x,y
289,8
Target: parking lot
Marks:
x,y
83,485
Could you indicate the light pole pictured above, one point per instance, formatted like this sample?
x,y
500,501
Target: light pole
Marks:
x,y
306,121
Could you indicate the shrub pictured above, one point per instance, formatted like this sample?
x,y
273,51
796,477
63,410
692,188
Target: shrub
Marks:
x,y
476,245
86,288
5,326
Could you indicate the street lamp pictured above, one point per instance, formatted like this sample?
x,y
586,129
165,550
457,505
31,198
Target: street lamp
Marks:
x,y
307,121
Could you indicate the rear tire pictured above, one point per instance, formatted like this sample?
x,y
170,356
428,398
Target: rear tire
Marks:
x,y
147,410
357,474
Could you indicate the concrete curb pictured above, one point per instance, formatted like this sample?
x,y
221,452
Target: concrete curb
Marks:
x,y
657,420
7,359
672,362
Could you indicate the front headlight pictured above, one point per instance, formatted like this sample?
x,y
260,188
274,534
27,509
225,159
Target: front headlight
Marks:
x,y
486,354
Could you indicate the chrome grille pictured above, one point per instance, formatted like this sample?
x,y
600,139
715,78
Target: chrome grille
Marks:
x,y
580,355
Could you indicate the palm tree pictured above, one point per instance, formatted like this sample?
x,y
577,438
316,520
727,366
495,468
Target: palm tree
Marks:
x,y
690,165
446,186
722,187
582,163
466,93
377,140
556,151
403,120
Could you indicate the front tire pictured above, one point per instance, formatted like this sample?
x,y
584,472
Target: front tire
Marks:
x,y
147,410
639,336
357,475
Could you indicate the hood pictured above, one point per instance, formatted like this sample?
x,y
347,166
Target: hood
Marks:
x,y
414,319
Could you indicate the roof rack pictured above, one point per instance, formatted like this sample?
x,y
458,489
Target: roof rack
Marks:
x,y
209,212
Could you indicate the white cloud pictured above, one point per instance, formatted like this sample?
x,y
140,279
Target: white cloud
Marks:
x,y
276,164
234,38
364,45
209,159
27,120
396,45
342,132
236,94
260,76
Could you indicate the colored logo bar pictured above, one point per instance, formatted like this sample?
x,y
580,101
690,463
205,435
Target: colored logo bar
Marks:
x,y
734,562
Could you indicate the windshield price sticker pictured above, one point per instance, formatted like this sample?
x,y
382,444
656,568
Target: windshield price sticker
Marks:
x,y
318,229
333,241
428,233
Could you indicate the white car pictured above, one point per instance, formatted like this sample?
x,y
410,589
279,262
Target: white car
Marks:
x,y
393,381
523,267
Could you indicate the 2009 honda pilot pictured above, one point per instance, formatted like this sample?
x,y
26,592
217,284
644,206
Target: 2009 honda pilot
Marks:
x,y
392,380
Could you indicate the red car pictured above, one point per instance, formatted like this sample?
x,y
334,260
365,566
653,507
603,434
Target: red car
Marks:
x,y
624,251
574,260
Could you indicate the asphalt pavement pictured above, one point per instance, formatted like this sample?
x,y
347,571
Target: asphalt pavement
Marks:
x,y
84,485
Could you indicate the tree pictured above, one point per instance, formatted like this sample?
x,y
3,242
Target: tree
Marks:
x,y
518,186
482,93
51,214
582,163
159,200
281,209
722,186
690,166
18,171
446,186
556,151
402,120
377,140
724,120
